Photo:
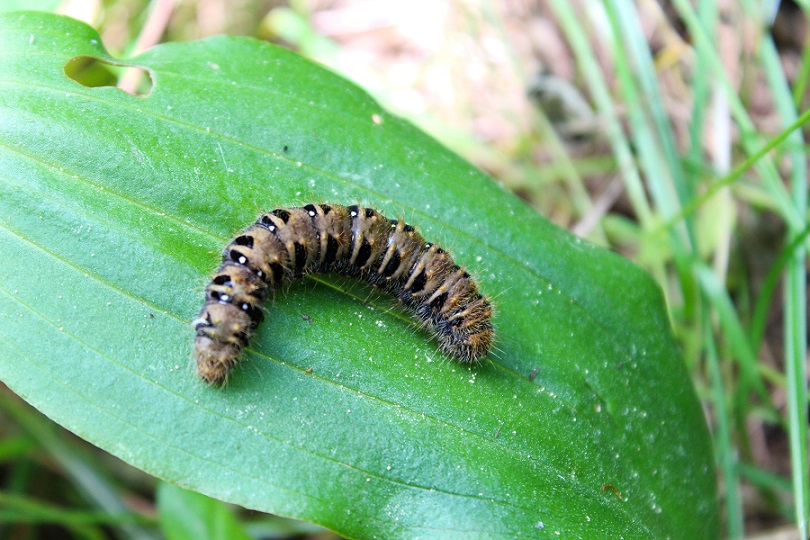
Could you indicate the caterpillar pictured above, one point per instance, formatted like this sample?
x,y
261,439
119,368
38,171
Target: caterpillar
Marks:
x,y
287,243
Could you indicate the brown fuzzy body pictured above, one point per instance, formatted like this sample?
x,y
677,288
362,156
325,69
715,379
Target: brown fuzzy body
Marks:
x,y
360,242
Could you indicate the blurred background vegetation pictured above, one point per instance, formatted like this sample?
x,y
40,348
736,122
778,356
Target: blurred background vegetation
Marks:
x,y
655,129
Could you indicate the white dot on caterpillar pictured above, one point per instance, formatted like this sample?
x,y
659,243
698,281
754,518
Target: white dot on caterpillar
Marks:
x,y
353,213
245,306
242,259
312,213
223,298
199,321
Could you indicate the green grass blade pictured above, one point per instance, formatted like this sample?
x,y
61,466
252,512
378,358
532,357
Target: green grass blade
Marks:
x,y
795,293
724,444
185,514
604,104
749,135
17,509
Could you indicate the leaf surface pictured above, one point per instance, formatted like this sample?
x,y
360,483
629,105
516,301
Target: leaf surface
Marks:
x,y
113,212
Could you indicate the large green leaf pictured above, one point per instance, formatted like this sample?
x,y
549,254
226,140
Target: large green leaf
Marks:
x,y
114,208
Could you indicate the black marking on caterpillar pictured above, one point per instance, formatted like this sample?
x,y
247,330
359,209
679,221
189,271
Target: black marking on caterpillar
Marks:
x,y
286,243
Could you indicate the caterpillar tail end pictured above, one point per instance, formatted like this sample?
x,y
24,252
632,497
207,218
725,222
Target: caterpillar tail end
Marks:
x,y
469,349
218,344
214,359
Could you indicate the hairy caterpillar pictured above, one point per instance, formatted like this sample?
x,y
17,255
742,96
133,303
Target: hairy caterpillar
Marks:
x,y
287,243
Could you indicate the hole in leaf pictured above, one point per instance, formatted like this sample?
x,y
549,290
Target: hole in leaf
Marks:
x,y
96,73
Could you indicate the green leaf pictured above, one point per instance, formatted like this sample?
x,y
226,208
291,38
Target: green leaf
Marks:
x,y
185,514
114,209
